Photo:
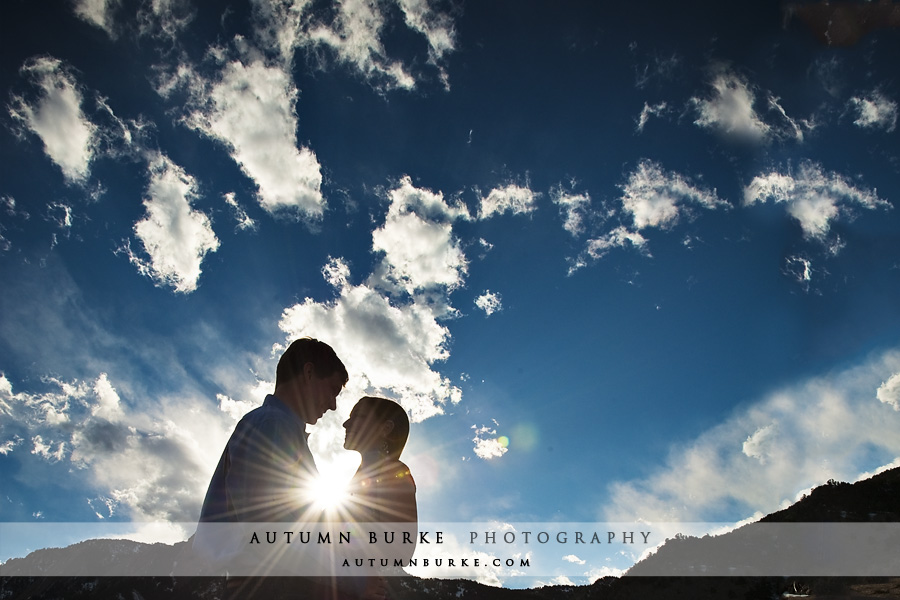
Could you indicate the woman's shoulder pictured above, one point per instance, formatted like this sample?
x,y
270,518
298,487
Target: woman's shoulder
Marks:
x,y
398,473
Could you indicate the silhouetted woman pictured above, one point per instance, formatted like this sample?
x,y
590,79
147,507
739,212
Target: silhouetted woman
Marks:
x,y
382,490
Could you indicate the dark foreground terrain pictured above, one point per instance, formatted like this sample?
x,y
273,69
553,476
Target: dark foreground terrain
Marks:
x,y
873,500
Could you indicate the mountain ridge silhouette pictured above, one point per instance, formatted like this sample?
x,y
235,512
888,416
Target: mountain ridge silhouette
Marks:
x,y
876,499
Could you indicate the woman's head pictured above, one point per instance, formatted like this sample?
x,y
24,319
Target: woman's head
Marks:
x,y
377,424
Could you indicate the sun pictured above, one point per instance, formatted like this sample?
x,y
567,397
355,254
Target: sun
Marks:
x,y
328,492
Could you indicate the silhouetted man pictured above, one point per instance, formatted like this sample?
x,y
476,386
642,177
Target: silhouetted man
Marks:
x,y
266,465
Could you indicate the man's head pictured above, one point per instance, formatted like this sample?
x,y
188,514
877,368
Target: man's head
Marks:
x,y
309,377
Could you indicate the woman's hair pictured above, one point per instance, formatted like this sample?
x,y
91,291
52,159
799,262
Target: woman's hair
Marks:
x,y
382,409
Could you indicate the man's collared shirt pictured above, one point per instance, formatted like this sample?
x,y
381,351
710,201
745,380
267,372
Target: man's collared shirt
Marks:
x,y
264,470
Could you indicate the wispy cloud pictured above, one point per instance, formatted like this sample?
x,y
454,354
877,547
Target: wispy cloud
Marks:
x,y
813,197
99,13
729,107
240,215
175,236
762,457
509,198
653,197
656,69
800,269
355,37
165,19
436,26
353,33
55,115
874,111
573,207
489,302
657,110
487,445
792,128
620,237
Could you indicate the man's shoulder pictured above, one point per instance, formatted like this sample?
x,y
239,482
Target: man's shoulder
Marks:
x,y
271,421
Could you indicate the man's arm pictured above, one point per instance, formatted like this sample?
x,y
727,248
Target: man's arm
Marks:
x,y
269,467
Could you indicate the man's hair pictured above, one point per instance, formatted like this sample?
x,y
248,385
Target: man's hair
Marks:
x,y
308,350
382,409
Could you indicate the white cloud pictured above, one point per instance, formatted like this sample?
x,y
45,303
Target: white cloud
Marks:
x,y
251,108
154,462
797,128
657,198
800,269
387,330
157,18
489,302
758,444
573,207
874,111
486,447
56,117
174,235
355,36
762,456
658,69
595,574
437,28
657,110
8,208
510,198
889,392
61,214
108,405
9,445
99,13
164,18
46,451
617,238
278,25
237,408
354,31
729,108
812,196
386,346
420,250
240,215
573,559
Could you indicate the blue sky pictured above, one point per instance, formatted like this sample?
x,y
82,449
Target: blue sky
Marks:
x,y
619,263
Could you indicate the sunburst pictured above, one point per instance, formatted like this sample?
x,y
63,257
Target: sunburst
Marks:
x,y
328,492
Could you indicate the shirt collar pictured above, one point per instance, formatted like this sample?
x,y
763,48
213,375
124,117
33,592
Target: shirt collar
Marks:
x,y
276,403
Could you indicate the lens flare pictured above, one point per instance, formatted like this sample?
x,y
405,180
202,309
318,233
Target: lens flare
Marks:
x,y
327,492
526,436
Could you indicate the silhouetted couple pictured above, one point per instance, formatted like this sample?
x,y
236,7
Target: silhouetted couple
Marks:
x,y
266,471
